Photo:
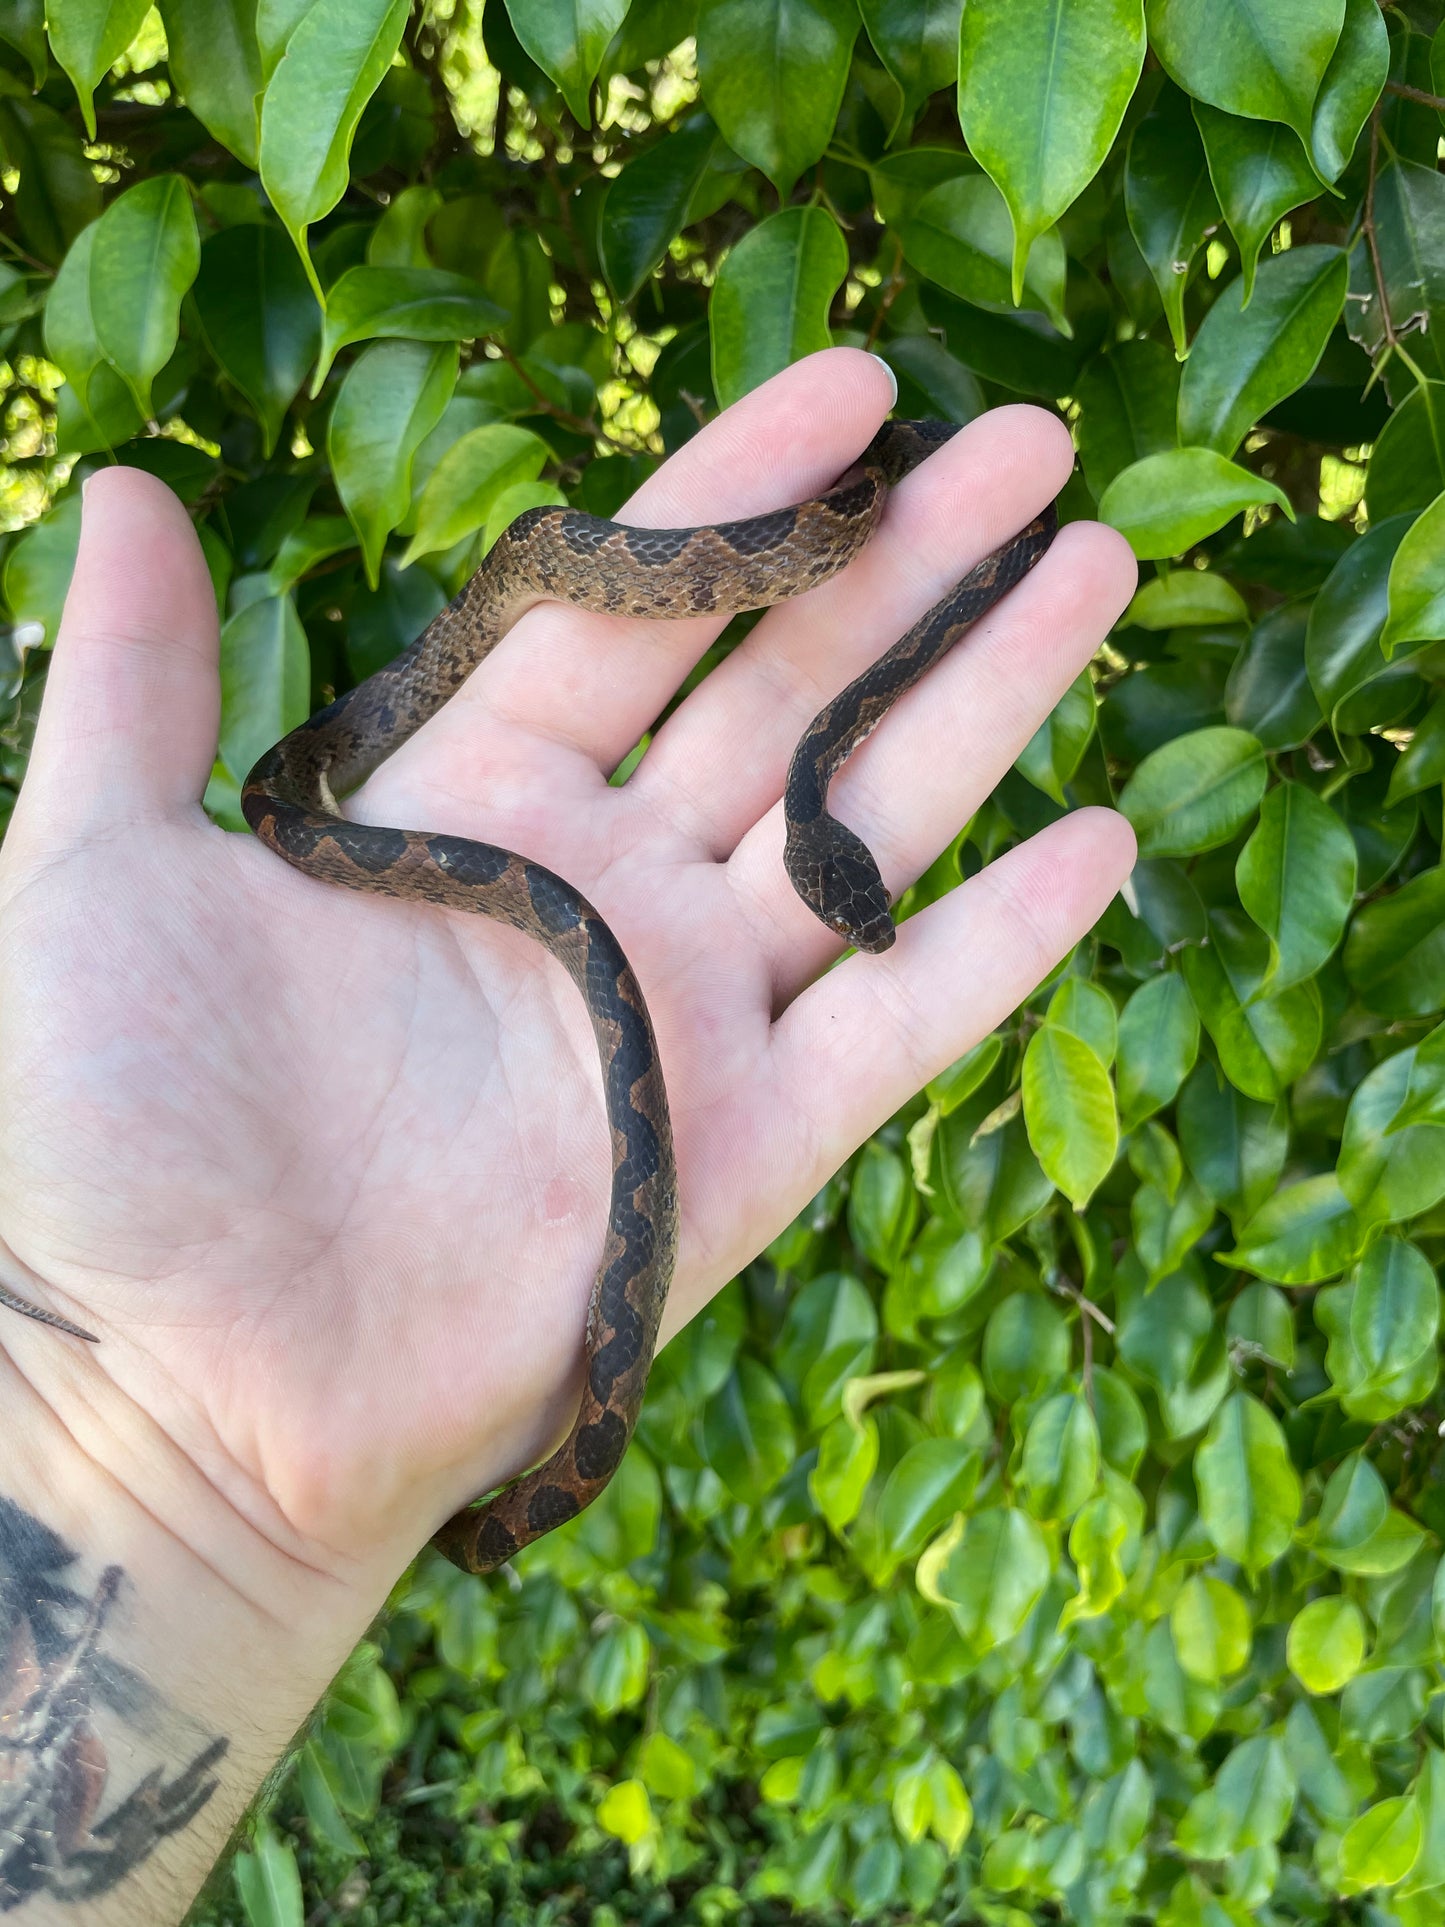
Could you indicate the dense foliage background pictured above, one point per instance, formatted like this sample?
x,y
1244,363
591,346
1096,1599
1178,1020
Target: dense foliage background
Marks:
x,y
1048,1526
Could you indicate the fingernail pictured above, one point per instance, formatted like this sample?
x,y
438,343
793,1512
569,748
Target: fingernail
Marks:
x,y
893,379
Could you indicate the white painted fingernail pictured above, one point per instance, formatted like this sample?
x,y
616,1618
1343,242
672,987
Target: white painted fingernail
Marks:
x,y
891,376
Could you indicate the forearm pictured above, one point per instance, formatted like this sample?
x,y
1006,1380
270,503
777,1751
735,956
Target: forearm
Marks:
x,y
157,1653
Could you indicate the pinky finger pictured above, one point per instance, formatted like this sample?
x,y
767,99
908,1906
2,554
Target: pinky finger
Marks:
x,y
862,1040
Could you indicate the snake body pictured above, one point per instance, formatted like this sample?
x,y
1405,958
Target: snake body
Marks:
x,y
290,800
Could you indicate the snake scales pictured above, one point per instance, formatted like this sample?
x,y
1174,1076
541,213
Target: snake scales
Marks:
x,y
290,801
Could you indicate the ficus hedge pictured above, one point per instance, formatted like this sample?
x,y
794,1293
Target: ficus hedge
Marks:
x,y
1048,1525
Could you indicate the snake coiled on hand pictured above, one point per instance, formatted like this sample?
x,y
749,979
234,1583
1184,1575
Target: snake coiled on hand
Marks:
x,y
291,801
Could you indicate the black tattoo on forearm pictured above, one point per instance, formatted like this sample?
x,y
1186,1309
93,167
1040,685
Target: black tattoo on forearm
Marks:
x,y
65,1831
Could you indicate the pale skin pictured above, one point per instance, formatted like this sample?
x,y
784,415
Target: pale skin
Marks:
x,y
327,1175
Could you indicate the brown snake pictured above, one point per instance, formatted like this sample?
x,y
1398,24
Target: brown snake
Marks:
x,y
290,800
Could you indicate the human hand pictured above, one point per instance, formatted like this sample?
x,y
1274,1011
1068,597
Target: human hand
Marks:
x,y
328,1175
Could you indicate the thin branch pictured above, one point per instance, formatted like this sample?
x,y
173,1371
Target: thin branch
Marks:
x,y
887,295
1367,223
1437,101
564,416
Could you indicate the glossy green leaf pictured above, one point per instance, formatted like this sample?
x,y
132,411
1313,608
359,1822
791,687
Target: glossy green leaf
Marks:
x,y
1158,1043
747,1432
1042,89
259,318
993,1576
1059,1465
934,1479
87,37
1069,1109
57,194
1248,57
1306,1232
647,205
1054,751
1409,225
1211,1629
1404,1378
770,303
917,41
1350,88
1260,173
1128,401
1171,203
1235,1146
391,399
1380,1848
1407,463
1356,687
334,61
1195,793
1390,1173
1264,1041
1245,360
1185,599
1296,878
468,480
414,304
265,680
959,235
269,1882
567,39
1421,764
1395,952
1269,691
1249,1492
144,256
215,62
1417,583
1166,503
772,75
1326,1644
39,565
882,1206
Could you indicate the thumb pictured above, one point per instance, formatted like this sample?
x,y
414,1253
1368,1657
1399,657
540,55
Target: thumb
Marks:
x,y
129,719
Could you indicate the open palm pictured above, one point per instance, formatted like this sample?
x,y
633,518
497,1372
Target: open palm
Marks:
x,y
328,1175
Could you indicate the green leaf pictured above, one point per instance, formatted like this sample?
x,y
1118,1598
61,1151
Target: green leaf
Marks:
x,y
1185,599
1211,1628
1269,691
1249,1492
39,565
259,318
1417,583
933,1480
1170,202
1389,1173
1352,84
334,61
1069,1111
1059,1467
1087,1010
1261,1325
1246,360
468,480
1409,211
1042,89
1158,1043
1326,1644
882,1206
269,1882
917,41
1128,401
1195,793
771,299
1249,1804
847,1460
567,39
23,28
1421,763
1055,750
87,37
57,195
1248,56
391,399
648,204
215,64
1407,463
1296,879
1357,689
265,680
625,1811
1380,1848
993,1577
1395,1314
415,304
747,1432
1264,1041
772,75
144,256
1304,1233
959,235
1166,503
1260,172
1395,952
1026,1347
1386,1545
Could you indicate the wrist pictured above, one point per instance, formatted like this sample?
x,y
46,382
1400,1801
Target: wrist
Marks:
x,y
157,1652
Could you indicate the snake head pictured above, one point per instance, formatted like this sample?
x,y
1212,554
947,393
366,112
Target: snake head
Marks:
x,y
835,874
